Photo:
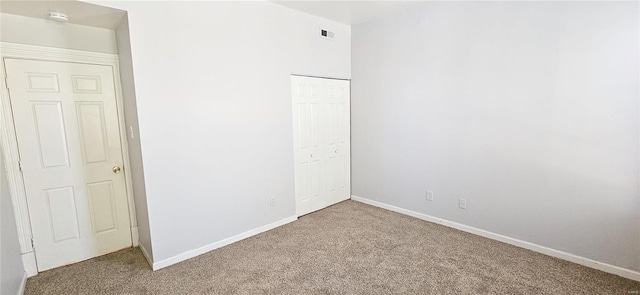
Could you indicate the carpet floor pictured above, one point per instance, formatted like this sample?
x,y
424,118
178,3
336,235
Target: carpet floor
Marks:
x,y
348,248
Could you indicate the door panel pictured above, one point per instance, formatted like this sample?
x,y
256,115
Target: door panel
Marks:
x,y
321,142
67,128
342,148
42,82
93,135
52,140
102,204
307,142
63,215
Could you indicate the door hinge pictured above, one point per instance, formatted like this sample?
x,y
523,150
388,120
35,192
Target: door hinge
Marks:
x,y
20,165
33,246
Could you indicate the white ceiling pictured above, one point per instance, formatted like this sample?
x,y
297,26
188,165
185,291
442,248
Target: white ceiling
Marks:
x,y
348,12
79,12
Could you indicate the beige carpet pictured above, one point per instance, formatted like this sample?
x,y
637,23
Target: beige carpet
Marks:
x,y
349,248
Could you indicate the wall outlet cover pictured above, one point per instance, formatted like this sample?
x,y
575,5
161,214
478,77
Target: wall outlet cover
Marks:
x,y
462,203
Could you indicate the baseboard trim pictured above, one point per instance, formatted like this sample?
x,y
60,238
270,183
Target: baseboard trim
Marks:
x,y
612,269
146,255
29,263
134,236
204,249
23,285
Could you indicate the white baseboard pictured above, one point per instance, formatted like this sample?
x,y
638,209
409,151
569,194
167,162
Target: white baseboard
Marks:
x,y
616,270
29,262
134,236
146,255
23,285
204,249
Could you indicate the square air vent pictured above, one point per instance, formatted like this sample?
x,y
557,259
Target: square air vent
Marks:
x,y
326,34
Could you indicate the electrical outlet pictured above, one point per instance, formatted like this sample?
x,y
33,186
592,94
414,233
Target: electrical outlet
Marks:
x,y
272,202
429,196
462,203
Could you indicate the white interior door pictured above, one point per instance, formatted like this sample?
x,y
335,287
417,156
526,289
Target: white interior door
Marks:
x,y
308,150
321,135
70,153
338,140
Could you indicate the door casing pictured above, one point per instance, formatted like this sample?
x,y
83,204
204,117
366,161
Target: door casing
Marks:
x,y
9,143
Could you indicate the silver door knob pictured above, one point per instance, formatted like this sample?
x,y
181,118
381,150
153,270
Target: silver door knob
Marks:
x,y
312,155
116,169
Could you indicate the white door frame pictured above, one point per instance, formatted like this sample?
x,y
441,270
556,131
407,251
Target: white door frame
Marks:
x,y
9,142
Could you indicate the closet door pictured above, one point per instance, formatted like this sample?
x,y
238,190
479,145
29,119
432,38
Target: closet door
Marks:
x,y
307,121
321,142
338,161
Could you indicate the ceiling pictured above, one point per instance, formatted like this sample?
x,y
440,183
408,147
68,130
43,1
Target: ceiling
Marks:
x,y
348,12
79,13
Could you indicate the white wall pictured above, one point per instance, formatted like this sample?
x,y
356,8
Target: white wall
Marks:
x,y
131,121
212,85
35,31
11,267
529,110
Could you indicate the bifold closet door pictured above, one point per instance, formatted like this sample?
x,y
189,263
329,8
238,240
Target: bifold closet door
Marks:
x,y
321,142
